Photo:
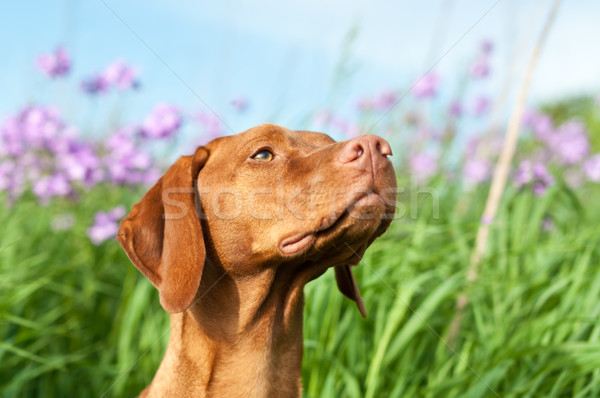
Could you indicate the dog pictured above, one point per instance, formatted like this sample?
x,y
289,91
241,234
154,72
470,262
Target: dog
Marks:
x,y
231,234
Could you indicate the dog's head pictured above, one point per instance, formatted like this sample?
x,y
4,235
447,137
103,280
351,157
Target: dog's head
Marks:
x,y
267,197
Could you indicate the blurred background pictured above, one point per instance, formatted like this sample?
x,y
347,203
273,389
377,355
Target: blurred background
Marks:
x,y
100,96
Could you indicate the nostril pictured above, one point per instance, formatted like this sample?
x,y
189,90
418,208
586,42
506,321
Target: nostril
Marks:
x,y
359,151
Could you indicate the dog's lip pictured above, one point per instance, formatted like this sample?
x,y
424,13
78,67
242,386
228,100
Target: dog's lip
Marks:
x,y
299,243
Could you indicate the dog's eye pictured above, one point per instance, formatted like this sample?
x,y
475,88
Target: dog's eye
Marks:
x,y
264,155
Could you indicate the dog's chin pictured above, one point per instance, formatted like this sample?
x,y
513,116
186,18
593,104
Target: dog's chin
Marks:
x,y
346,238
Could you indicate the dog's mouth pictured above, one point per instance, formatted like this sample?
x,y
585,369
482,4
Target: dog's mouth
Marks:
x,y
302,242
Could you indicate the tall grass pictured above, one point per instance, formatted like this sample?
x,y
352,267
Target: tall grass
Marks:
x,y
79,320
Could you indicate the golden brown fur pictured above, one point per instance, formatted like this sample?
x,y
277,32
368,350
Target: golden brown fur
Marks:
x,y
230,240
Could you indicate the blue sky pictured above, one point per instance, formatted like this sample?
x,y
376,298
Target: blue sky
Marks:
x,y
282,56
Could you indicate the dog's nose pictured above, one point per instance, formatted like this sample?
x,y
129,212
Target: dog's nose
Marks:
x,y
363,148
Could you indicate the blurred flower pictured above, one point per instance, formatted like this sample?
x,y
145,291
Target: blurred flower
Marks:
x,y
105,225
365,104
591,168
570,142
481,105
455,108
486,46
239,103
426,86
62,222
53,185
536,173
540,123
44,153
120,75
162,122
117,74
126,162
547,224
480,68
385,101
56,64
476,171
95,85
423,166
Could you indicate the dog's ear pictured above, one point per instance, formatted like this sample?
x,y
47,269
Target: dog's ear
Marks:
x,y
162,235
347,285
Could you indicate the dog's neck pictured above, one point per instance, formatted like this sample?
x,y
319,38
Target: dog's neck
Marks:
x,y
238,338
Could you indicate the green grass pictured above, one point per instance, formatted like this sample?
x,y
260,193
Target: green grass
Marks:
x,y
76,319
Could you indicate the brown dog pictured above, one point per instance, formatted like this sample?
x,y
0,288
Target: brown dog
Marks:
x,y
231,235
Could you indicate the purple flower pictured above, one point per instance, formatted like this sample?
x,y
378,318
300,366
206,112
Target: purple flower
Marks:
x,y
570,142
45,155
125,162
162,122
239,103
426,86
423,166
536,173
455,109
55,64
12,179
481,105
365,104
117,74
385,101
96,84
49,186
540,123
480,68
476,171
105,225
121,76
486,47
591,168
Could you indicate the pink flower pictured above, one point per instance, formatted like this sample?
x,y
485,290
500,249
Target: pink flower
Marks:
x,y
423,166
486,46
591,168
105,225
56,64
480,68
481,105
385,101
116,75
476,171
427,86
96,84
239,103
120,75
455,108
570,142
540,123
164,120
536,173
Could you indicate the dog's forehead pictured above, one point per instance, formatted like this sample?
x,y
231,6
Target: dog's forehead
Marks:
x,y
274,135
